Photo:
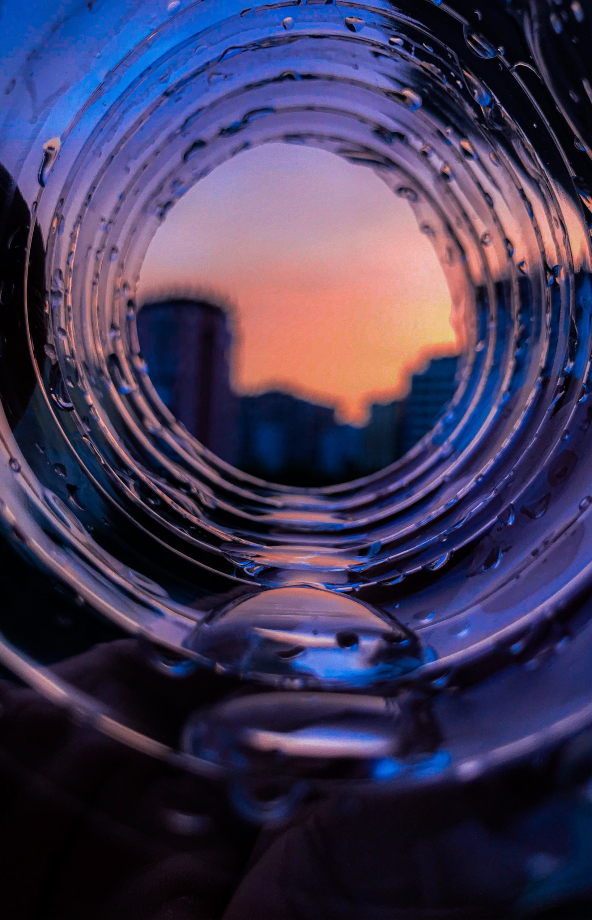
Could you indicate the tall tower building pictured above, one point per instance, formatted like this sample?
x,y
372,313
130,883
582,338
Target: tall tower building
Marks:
x,y
429,394
186,344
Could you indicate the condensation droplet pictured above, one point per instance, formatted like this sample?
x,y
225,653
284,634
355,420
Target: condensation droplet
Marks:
x,y
425,616
439,563
395,40
479,44
354,23
536,509
486,239
468,149
288,23
60,469
51,149
114,254
173,5
477,90
493,559
585,503
577,10
408,193
410,98
14,465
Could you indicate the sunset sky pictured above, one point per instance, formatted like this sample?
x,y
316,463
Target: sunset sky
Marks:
x,y
335,290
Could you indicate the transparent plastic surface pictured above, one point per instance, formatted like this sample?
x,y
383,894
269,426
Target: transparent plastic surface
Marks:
x,y
463,567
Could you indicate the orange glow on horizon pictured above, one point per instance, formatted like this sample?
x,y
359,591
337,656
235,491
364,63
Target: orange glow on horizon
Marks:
x,y
337,295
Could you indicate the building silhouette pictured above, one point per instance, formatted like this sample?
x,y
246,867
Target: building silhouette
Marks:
x,y
276,435
430,392
186,344
383,435
282,436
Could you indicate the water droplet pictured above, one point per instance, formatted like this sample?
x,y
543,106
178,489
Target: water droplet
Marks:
x,y
556,23
428,230
408,193
347,639
60,469
55,299
552,272
50,352
509,247
288,23
536,509
486,239
461,632
440,682
14,465
439,563
479,44
193,149
115,331
577,10
493,559
51,149
395,40
173,5
585,503
354,23
562,467
163,209
408,98
468,149
62,334
479,93
446,172
58,389
114,254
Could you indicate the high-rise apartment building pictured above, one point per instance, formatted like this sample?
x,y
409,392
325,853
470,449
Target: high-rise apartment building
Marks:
x,y
430,391
186,344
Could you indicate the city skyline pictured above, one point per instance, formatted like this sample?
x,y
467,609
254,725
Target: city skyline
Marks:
x,y
416,366
275,435
338,298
